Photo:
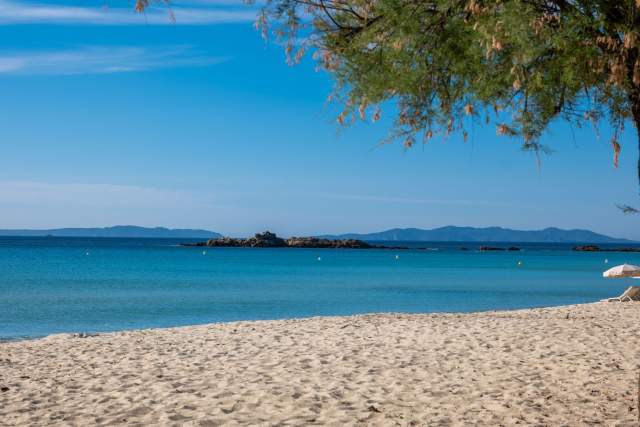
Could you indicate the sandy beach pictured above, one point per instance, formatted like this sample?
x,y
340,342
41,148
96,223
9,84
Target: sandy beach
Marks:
x,y
574,365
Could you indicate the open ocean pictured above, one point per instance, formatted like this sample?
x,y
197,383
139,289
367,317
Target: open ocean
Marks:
x,y
52,285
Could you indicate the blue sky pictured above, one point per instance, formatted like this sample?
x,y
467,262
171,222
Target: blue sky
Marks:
x,y
109,117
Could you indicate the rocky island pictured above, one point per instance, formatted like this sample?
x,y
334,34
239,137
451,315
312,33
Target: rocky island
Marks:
x,y
594,248
494,248
271,240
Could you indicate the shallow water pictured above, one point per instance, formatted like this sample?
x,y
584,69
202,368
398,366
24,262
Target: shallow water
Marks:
x,y
52,285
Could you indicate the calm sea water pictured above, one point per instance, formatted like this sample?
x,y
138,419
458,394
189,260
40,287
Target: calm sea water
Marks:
x,y
52,285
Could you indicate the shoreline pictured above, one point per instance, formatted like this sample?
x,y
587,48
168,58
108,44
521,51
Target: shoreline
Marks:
x,y
90,334
573,365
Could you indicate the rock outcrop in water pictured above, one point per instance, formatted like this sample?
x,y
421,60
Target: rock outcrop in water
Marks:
x,y
265,240
587,248
315,242
271,240
494,248
594,248
260,240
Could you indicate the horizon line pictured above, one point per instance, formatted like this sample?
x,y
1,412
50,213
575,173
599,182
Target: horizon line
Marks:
x,y
207,230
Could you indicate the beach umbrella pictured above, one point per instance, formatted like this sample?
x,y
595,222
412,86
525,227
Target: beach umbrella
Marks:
x,y
624,270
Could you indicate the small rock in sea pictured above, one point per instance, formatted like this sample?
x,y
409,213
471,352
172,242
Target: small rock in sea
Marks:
x,y
594,248
587,248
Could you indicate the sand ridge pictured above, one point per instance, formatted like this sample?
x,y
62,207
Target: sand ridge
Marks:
x,y
574,365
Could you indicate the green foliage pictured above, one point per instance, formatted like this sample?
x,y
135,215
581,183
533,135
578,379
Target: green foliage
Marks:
x,y
517,63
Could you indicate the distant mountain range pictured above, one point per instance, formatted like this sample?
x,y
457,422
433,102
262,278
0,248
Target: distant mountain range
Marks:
x,y
442,234
488,234
117,231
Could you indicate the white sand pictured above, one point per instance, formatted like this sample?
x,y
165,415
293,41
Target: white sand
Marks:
x,y
574,365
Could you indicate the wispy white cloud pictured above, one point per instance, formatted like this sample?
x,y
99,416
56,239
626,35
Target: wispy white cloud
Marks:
x,y
178,13
101,59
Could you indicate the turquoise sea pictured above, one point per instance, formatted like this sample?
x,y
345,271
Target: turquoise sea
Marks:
x,y
53,285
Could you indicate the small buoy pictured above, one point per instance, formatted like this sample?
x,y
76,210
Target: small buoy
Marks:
x,y
519,262
397,256
87,253
606,261
204,252
319,258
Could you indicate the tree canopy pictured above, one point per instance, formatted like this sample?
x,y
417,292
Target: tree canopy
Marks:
x,y
518,63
